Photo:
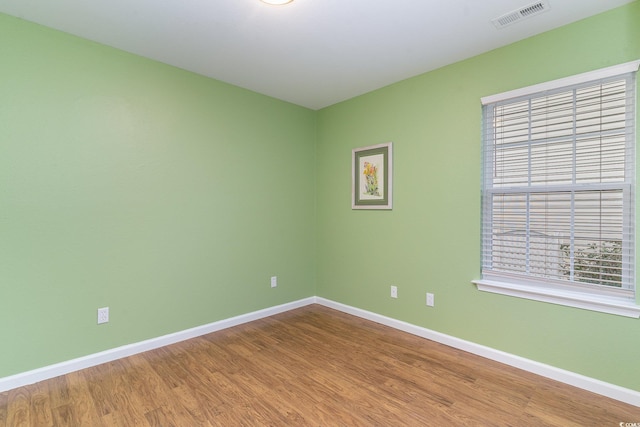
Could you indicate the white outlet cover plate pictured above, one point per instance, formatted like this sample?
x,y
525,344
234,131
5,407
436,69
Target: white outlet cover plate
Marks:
x,y
103,315
430,299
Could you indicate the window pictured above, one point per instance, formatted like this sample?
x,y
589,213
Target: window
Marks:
x,y
558,208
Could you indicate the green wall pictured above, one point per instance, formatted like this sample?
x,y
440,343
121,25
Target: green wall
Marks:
x,y
172,198
167,196
430,242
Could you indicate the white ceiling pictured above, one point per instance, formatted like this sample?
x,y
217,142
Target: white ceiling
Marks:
x,y
312,53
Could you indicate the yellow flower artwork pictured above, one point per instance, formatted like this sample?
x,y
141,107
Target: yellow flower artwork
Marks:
x,y
371,175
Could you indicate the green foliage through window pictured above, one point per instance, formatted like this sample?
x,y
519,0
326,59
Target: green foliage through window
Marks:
x,y
595,263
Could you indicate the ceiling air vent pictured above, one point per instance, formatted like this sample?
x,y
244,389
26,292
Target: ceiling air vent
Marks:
x,y
519,14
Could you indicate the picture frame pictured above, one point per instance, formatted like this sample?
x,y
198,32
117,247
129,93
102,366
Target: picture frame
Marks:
x,y
372,177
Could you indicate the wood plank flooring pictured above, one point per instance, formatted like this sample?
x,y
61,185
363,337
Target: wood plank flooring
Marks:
x,y
308,367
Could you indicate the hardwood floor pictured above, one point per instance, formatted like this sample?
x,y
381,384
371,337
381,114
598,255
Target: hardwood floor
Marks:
x,y
308,367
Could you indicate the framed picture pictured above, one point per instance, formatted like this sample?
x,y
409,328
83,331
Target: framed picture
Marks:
x,y
371,177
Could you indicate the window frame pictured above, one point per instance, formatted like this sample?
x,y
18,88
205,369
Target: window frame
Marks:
x,y
614,301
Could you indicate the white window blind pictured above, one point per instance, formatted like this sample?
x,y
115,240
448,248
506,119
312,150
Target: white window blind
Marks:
x,y
558,186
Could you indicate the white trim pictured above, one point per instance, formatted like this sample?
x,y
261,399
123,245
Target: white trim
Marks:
x,y
602,73
52,371
601,303
613,391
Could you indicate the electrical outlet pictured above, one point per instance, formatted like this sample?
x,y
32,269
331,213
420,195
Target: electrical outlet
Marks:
x,y
274,281
430,301
103,315
394,292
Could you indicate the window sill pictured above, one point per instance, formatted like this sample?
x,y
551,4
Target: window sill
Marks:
x,y
604,304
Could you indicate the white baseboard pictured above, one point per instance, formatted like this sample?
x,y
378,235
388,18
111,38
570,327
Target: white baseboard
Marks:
x,y
52,371
613,391
596,386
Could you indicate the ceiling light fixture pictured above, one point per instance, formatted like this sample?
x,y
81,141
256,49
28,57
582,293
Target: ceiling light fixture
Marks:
x,y
277,2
